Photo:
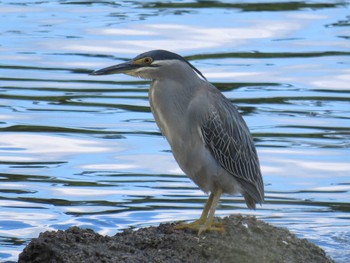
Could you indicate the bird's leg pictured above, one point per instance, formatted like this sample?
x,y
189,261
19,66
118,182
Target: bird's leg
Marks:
x,y
205,211
206,221
203,217
208,224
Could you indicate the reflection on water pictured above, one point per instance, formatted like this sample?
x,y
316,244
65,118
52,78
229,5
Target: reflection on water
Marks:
x,y
77,150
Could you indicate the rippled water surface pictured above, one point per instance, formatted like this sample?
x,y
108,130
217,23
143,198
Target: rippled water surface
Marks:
x,y
82,150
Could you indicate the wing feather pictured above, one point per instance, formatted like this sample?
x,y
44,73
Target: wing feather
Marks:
x,y
228,138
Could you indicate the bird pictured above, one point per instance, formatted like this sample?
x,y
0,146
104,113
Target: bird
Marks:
x,y
208,137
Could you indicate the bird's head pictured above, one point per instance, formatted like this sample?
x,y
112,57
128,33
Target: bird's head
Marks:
x,y
153,64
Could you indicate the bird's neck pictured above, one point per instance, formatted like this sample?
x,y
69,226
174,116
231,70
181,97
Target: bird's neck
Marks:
x,y
171,94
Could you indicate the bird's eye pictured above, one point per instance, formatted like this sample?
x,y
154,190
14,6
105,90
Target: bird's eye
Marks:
x,y
148,60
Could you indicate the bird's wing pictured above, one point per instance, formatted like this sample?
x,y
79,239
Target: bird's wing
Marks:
x,y
227,136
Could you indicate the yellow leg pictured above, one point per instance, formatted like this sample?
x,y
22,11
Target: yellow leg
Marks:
x,y
203,217
206,209
205,222
210,218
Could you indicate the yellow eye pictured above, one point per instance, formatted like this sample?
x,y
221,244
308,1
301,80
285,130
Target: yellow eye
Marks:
x,y
148,60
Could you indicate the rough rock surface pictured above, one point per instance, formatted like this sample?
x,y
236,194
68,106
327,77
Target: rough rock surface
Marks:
x,y
245,239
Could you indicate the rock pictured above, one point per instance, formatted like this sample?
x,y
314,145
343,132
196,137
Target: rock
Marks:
x,y
245,239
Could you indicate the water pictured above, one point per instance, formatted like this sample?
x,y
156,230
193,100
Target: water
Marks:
x,y
83,150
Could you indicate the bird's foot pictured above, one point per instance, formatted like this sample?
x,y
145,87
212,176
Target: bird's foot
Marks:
x,y
201,226
192,225
218,227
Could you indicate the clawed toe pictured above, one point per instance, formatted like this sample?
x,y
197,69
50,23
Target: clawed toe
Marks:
x,y
206,221
201,227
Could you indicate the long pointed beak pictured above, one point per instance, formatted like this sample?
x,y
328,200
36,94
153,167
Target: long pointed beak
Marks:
x,y
116,69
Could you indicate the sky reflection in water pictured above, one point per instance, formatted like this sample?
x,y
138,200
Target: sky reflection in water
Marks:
x,y
82,150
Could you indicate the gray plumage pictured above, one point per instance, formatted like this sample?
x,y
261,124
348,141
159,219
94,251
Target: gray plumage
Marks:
x,y
208,137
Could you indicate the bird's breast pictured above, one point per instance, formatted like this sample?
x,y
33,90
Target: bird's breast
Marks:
x,y
169,110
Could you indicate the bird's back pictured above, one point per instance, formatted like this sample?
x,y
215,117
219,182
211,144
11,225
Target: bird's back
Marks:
x,y
227,137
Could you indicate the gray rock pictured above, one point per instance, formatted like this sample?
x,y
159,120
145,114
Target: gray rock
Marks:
x,y
245,239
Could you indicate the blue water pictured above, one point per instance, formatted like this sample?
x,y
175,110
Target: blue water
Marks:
x,y
83,150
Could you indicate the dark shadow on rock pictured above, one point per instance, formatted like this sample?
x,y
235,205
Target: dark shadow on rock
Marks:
x,y
245,239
